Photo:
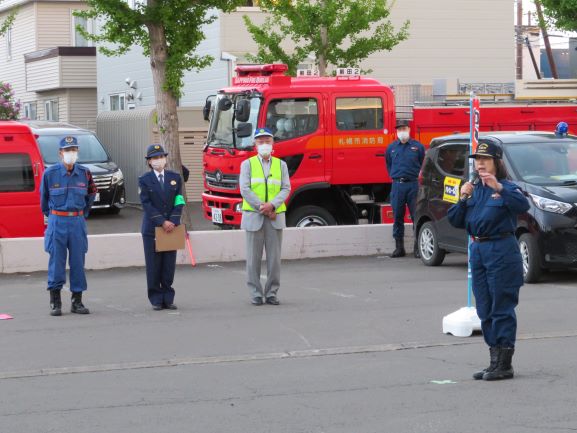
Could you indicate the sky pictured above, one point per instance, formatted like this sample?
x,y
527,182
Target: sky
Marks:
x,y
557,39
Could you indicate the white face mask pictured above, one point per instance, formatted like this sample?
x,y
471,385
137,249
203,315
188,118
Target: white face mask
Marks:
x,y
158,164
69,157
403,136
264,150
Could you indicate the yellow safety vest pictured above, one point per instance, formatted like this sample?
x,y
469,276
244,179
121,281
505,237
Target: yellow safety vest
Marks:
x,y
267,189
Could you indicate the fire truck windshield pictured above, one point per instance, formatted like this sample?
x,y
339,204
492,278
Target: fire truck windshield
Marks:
x,y
223,122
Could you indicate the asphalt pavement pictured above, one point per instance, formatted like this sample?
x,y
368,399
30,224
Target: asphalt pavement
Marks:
x,y
130,218
355,346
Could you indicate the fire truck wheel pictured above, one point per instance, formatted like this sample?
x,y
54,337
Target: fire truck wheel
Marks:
x,y
310,216
431,254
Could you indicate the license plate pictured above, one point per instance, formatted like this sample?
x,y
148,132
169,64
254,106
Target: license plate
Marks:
x,y
216,215
97,197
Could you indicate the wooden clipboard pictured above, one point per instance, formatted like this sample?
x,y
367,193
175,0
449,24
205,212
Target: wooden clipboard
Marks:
x,y
172,241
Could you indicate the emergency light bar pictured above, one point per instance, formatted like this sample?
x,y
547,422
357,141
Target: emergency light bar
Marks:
x,y
261,70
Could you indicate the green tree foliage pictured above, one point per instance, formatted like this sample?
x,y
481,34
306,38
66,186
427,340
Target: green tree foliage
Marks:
x,y
7,23
336,32
9,108
562,13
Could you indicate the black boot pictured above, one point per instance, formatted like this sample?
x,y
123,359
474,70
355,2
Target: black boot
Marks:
x,y
400,248
504,369
77,306
55,303
493,354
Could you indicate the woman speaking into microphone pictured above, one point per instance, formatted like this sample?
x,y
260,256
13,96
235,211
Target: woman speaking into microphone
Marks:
x,y
488,210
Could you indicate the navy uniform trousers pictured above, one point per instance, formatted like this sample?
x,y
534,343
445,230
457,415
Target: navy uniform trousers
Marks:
x,y
158,205
403,194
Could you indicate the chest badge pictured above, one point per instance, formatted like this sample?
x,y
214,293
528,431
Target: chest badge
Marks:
x,y
56,185
173,182
495,196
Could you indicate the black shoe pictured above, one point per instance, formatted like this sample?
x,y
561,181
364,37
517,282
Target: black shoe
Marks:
x,y
272,300
399,249
170,307
493,355
157,307
77,305
256,301
504,369
55,303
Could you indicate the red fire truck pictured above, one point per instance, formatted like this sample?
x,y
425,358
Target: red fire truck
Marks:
x,y
332,132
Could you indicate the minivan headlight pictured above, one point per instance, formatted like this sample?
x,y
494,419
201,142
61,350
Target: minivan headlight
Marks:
x,y
117,177
549,205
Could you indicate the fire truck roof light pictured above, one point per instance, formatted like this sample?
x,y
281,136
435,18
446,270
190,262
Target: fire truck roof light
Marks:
x,y
262,70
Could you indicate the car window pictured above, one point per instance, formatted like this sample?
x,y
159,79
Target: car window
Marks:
x,y
452,159
359,114
16,172
549,163
291,118
89,148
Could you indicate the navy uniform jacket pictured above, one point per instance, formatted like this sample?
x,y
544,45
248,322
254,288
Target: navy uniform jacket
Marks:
x,y
63,192
488,213
405,160
159,205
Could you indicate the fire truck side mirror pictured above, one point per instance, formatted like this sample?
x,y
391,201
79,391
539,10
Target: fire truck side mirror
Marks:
x,y
224,104
242,110
244,130
207,107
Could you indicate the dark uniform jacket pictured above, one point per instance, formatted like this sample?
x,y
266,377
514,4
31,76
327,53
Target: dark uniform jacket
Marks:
x,y
158,204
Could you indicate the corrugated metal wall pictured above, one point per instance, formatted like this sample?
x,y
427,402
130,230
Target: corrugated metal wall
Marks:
x,y
126,135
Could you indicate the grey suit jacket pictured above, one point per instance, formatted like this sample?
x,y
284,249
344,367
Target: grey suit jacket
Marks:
x,y
252,221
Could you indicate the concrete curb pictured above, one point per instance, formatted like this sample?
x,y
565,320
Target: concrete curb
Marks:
x,y
126,250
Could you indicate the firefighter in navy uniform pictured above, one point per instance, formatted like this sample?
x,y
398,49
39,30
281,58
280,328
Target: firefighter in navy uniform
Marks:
x,y
488,211
162,201
66,195
404,158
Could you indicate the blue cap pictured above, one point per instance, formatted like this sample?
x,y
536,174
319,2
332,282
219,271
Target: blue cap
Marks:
x,y
155,150
68,141
562,129
263,132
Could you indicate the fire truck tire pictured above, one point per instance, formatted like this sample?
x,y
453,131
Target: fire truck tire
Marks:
x,y
530,255
428,244
310,216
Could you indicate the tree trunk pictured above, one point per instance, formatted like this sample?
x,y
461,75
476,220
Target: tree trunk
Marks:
x,y
167,116
322,61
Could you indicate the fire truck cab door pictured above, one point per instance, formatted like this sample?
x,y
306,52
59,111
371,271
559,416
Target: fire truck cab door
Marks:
x,y
358,138
297,123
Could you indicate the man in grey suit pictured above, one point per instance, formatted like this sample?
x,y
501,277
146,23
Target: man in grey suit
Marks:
x,y
264,186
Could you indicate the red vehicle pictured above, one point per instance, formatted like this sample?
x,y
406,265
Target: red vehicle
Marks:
x,y
332,132
21,170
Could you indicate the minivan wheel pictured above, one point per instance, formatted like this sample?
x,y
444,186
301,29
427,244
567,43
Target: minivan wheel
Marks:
x,y
530,255
310,216
431,254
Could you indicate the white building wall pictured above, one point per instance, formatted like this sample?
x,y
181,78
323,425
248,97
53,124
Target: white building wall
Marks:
x,y
112,73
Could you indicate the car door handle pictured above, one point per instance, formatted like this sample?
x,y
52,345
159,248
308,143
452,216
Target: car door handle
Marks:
x,y
380,154
315,156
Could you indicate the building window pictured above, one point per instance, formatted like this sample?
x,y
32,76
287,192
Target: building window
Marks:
x,y
118,102
51,109
30,110
78,39
9,44
359,114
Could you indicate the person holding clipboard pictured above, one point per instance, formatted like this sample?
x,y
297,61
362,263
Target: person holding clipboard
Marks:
x,y
162,202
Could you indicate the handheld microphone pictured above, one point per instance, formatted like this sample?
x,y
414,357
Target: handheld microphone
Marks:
x,y
474,180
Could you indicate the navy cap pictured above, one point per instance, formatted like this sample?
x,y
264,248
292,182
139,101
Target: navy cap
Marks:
x,y
488,149
402,123
155,150
68,141
263,132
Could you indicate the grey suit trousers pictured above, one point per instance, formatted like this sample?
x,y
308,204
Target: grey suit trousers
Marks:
x,y
271,239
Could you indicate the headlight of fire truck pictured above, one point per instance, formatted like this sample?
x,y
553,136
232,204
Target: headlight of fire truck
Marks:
x,y
117,177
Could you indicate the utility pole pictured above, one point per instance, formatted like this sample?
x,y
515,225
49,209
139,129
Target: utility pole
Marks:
x,y
546,40
519,39
533,57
